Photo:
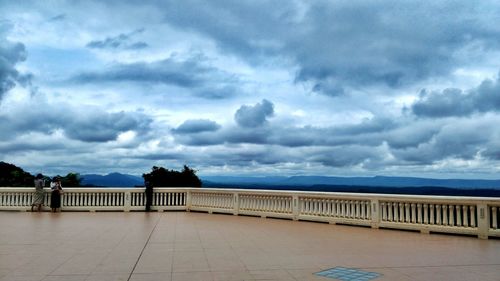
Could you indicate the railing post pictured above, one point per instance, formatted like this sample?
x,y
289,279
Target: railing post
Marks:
x,y
126,203
483,221
295,207
236,203
188,200
375,213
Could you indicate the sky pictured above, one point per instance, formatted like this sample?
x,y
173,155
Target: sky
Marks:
x,y
252,88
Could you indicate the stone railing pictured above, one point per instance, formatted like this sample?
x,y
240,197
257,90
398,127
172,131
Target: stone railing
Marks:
x,y
460,215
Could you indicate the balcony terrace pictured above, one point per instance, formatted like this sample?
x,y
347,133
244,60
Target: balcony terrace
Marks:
x,y
179,245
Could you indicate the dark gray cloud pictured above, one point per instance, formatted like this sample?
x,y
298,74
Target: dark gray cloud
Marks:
x,y
370,132
193,73
460,140
59,17
103,127
89,125
121,41
11,53
196,126
254,116
455,102
346,44
347,156
371,144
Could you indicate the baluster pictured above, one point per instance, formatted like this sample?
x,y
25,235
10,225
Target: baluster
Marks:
x,y
445,214
419,213
358,211
395,205
494,224
413,213
391,211
451,217
352,205
432,216
401,211
353,209
473,216
384,211
458,209
364,209
465,213
407,213
438,214
348,207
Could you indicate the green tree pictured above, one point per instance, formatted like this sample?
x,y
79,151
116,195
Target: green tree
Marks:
x,y
13,176
161,177
71,180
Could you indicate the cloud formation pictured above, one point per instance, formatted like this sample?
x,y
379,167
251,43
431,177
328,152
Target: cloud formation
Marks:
x,y
82,124
11,53
193,73
254,116
345,44
454,102
196,126
252,87
121,41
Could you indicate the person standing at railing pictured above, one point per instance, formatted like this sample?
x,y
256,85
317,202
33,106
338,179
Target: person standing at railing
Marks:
x,y
149,195
55,199
39,194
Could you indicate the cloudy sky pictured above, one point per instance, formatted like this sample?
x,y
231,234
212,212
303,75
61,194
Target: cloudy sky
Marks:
x,y
341,88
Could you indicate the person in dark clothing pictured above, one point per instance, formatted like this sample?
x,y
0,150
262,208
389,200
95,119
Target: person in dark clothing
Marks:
x,y
55,198
149,195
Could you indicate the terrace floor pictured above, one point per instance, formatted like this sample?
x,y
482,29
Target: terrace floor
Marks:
x,y
197,246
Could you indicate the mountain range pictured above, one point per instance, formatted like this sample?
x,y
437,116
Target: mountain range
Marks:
x,y
112,180
125,180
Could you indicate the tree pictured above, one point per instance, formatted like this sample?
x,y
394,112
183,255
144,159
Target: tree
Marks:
x,y
11,175
71,180
161,177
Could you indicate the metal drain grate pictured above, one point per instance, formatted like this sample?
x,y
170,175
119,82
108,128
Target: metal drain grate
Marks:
x,y
348,274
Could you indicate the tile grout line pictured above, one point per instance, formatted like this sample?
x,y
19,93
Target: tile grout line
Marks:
x,y
173,254
142,251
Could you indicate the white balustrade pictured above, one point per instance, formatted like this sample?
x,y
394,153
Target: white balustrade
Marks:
x,y
462,215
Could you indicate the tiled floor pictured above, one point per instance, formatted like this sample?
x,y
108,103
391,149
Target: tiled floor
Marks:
x,y
197,246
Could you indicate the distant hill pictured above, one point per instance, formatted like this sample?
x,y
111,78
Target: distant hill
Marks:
x,y
112,180
377,181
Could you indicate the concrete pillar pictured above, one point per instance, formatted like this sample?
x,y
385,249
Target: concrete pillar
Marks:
x,y
188,200
295,207
483,221
375,213
127,201
236,204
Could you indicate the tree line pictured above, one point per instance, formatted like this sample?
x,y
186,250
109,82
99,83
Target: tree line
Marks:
x,y
13,176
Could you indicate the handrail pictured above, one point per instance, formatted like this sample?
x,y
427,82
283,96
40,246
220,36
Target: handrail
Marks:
x,y
461,215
